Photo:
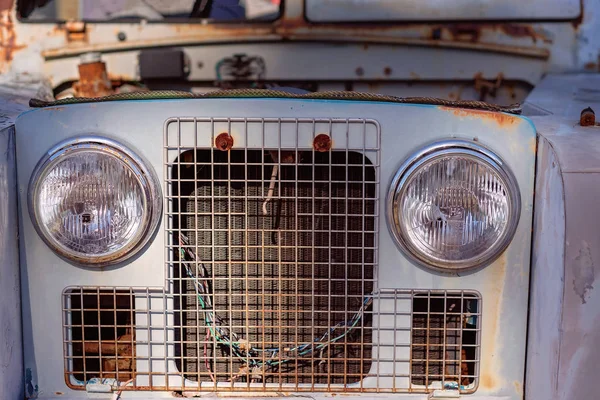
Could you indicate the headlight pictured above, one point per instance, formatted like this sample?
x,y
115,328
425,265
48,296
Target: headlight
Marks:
x,y
93,201
453,206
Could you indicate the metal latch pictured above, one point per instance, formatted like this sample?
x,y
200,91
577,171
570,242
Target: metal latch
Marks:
x,y
99,388
451,390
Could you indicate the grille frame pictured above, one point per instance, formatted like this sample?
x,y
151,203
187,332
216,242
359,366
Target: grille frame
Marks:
x,y
279,136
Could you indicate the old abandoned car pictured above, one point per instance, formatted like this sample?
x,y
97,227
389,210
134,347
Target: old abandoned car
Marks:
x,y
299,198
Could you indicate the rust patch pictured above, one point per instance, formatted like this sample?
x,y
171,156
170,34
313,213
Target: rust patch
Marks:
x,y
5,5
533,145
462,35
578,21
8,40
492,310
500,119
590,66
518,388
322,143
465,32
122,351
524,31
75,31
414,75
224,141
588,117
93,80
485,87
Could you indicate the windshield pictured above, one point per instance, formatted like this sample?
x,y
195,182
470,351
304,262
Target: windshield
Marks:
x,y
152,10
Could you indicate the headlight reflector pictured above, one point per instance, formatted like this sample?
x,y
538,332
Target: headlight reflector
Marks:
x,y
454,206
93,201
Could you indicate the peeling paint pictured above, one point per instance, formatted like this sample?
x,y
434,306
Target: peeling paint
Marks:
x,y
31,389
583,272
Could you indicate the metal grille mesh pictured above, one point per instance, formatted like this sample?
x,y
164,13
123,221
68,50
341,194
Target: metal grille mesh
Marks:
x,y
287,237
306,289
421,340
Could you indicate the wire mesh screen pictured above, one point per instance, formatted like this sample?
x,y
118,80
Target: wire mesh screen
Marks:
x,y
279,245
444,338
100,334
127,338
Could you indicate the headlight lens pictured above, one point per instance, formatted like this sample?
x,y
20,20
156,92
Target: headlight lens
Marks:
x,y
93,201
454,206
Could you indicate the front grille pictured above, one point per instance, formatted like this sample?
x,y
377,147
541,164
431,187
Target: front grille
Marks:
x,y
283,236
271,253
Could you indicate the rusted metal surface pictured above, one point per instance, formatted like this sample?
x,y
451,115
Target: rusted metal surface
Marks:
x,y
550,42
224,141
485,87
322,143
75,31
116,356
502,120
588,117
520,39
93,80
6,5
8,39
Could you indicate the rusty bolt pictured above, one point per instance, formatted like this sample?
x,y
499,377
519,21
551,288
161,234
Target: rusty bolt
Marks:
x,y
387,71
360,71
588,117
322,143
224,142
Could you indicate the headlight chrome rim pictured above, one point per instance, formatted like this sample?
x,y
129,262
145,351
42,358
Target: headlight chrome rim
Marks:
x,y
436,150
145,176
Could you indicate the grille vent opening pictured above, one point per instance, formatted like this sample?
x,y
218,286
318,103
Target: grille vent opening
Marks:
x,y
277,279
445,340
100,334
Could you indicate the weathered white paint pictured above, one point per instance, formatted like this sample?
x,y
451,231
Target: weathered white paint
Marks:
x,y
564,323
547,276
11,347
504,284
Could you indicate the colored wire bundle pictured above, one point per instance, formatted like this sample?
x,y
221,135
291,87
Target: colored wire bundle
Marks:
x,y
253,357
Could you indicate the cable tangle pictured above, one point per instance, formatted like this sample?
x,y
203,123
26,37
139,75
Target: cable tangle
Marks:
x,y
255,360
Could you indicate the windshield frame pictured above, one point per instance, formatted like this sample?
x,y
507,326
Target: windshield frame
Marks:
x,y
140,20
